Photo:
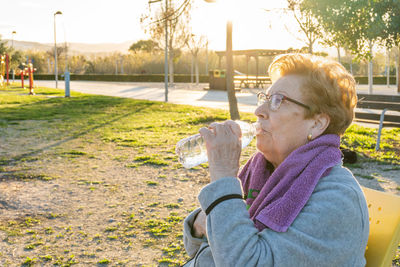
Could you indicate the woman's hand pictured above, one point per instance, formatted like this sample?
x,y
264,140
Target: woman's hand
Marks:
x,y
223,148
199,225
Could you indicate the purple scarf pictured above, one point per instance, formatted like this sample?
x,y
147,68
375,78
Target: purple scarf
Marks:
x,y
276,197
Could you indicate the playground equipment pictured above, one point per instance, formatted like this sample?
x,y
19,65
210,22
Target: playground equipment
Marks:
x,y
31,70
21,70
26,70
2,69
8,68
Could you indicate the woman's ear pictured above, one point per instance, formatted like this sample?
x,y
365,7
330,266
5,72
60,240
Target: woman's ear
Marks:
x,y
321,122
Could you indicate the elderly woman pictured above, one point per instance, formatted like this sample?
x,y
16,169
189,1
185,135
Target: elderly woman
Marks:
x,y
293,203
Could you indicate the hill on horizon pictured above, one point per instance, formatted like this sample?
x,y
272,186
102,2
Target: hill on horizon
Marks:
x,y
74,48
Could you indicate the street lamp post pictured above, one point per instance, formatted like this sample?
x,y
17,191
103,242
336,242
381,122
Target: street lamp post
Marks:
x,y
166,47
166,52
12,48
55,48
66,72
12,38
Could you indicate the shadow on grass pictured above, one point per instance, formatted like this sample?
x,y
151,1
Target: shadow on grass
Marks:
x,y
98,110
68,108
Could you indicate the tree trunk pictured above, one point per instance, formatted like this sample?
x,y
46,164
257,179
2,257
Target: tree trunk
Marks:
x,y
171,64
196,69
387,68
207,57
191,69
370,71
398,70
171,71
338,53
233,107
49,66
370,77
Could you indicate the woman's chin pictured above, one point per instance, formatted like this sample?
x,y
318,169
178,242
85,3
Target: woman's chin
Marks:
x,y
262,146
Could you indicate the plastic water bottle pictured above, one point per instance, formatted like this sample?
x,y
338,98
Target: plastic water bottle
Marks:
x,y
192,150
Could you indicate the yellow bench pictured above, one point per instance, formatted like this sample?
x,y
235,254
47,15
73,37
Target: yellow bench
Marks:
x,y
384,231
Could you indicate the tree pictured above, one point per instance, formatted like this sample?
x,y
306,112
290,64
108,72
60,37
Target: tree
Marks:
x,y
331,40
195,44
393,30
78,64
145,46
309,26
177,17
359,24
3,47
60,51
17,58
61,54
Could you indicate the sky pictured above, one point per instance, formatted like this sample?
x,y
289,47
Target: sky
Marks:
x,y
117,21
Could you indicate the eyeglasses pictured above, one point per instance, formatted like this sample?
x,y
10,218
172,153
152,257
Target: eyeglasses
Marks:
x,y
275,100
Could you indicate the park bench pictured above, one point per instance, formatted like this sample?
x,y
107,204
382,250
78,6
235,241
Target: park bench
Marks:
x,y
217,81
384,227
245,81
373,109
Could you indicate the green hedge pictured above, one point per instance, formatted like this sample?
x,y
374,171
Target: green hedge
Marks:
x,y
179,78
377,79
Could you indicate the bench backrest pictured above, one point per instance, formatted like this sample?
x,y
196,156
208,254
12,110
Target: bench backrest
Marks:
x,y
391,102
367,103
380,98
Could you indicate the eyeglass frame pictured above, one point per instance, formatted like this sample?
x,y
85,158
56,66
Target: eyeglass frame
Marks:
x,y
269,97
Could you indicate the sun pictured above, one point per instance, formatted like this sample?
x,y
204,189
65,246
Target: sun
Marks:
x,y
253,26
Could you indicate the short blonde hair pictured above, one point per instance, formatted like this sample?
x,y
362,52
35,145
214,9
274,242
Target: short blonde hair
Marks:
x,y
327,87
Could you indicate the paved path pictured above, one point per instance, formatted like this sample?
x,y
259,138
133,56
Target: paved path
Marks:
x,y
180,93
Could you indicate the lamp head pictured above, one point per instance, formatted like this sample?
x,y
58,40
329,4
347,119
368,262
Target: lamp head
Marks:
x,y
14,32
58,13
210,1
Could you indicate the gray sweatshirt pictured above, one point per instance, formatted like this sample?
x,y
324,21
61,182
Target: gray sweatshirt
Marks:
x,y
331,230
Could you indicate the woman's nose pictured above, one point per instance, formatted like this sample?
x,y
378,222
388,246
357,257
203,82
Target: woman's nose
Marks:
x,y
261,111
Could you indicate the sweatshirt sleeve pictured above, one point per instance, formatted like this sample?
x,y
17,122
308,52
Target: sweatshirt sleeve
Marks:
x,y
330,230
191,243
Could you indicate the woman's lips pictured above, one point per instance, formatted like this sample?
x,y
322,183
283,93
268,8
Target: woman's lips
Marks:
x,y
260,130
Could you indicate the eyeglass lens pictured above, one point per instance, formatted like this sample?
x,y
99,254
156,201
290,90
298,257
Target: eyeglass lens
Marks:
x,y
274,100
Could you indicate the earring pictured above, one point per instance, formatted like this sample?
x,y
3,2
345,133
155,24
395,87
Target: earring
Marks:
x,y
309,137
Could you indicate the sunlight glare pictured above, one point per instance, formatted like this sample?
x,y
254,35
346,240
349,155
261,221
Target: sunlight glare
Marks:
x,y
233,9
253,26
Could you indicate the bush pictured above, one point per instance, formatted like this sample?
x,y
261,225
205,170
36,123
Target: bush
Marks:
x,y
376,79
179,78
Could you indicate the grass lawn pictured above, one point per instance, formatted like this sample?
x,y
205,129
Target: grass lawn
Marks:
x,y
102,185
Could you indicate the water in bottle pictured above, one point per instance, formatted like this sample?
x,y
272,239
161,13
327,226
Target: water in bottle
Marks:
x,y
192,150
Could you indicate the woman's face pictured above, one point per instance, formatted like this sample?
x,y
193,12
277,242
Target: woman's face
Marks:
x,y
285,129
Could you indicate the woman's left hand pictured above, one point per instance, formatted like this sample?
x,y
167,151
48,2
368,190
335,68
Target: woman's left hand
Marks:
x,y
223,148
200,225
